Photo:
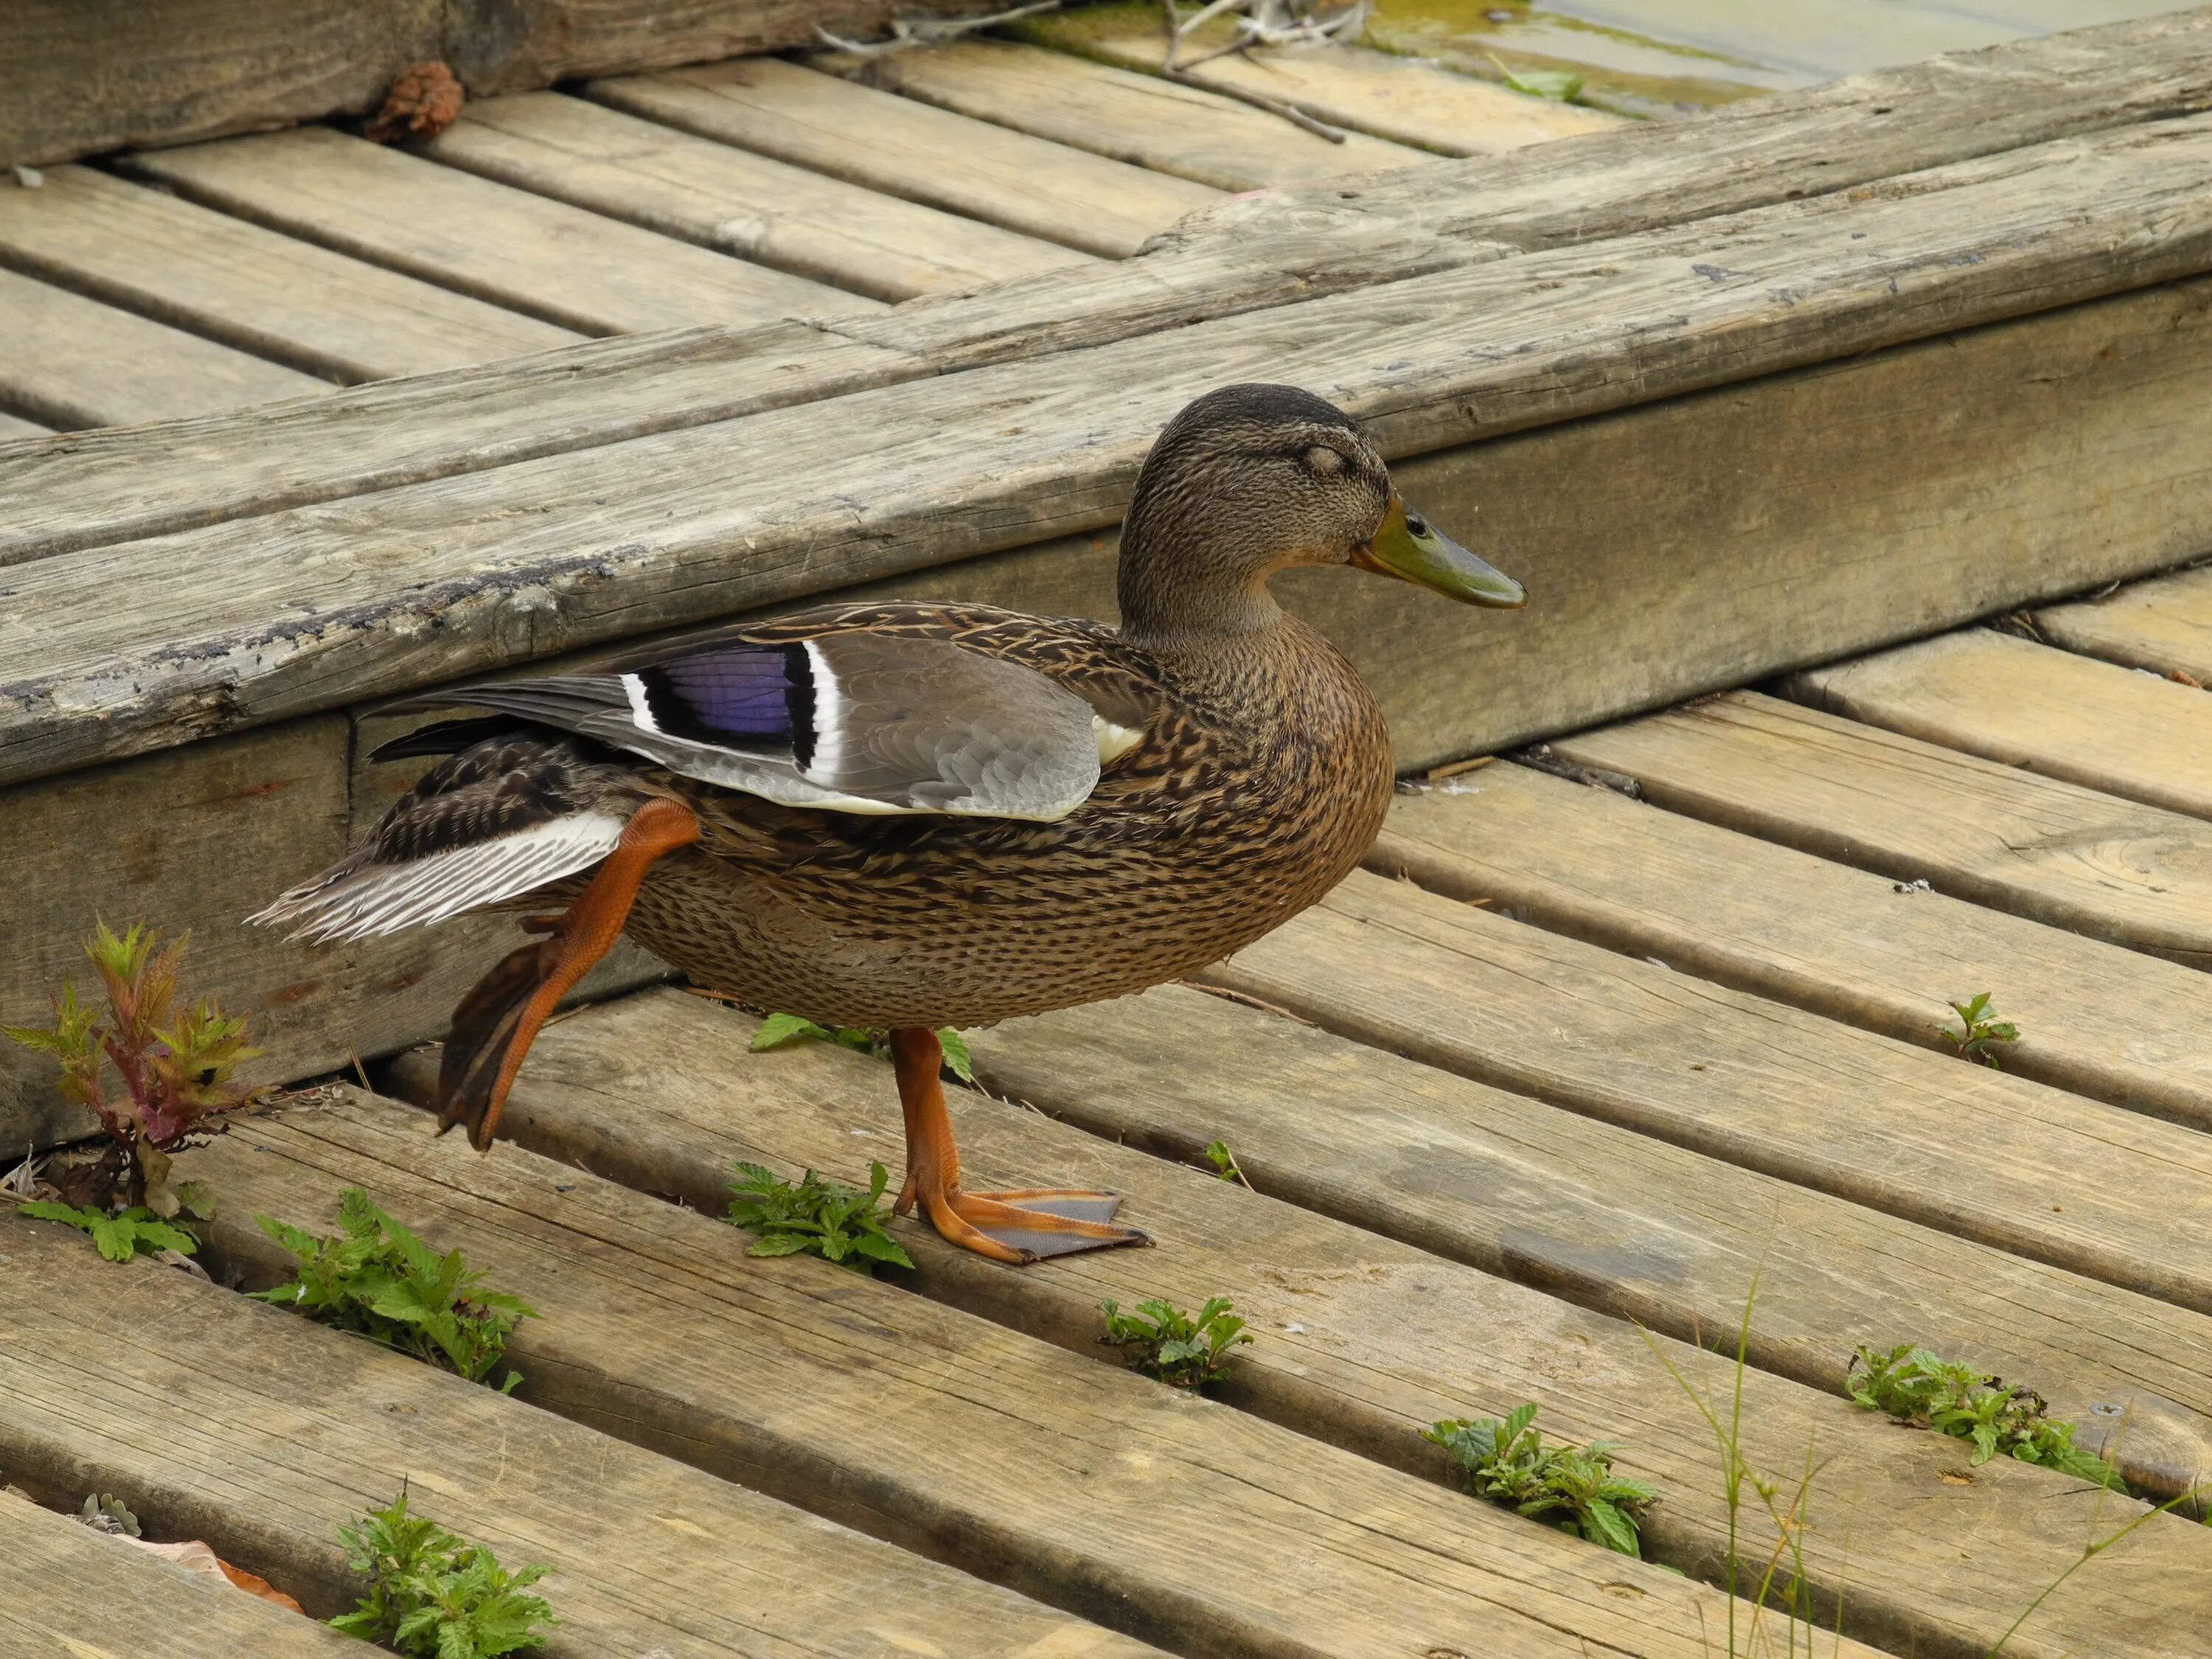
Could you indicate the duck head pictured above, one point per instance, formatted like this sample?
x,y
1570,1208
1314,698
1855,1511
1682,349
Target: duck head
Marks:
x,y
1250,480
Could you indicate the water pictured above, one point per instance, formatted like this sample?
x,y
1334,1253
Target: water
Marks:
x,y
1661,56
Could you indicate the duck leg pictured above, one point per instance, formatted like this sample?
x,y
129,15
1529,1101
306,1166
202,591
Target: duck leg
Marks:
x,y
496,1022
1016,1227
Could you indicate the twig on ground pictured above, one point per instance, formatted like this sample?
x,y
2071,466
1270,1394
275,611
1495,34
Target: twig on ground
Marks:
x,y
928,31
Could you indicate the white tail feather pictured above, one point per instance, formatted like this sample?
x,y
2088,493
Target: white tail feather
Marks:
x,y
362,900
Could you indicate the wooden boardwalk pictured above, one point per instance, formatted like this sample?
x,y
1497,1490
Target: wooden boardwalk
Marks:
x,y
1623,1042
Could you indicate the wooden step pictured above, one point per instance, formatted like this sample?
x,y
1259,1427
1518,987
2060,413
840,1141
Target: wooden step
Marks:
x,y
70,361
76,1595
2007,699
1183,131
527,252
1361,1340
218,1418
914,150
2101,1021
1062,1476
2164,625
14,427
732,200
2051,851
289,301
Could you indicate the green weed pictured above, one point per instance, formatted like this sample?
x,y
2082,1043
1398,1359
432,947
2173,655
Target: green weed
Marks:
x,y
1978,1028
778,1030
136,1231
1225,1163
815,1218
1164,1342
377,1279
1560,86
434,1595
1914,1386
1508,1462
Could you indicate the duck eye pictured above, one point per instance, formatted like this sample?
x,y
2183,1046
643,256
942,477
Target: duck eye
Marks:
x,y
1324,460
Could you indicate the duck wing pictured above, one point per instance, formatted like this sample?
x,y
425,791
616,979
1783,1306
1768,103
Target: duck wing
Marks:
x,y
851,721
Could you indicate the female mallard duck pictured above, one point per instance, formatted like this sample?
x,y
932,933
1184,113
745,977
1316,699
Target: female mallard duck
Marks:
x,y
909,815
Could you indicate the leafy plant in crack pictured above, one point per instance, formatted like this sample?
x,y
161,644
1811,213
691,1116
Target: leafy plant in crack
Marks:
x,y
1915,1386
172,1066
434,1595
1164,1342
777,1029
1561,86
136,1231
375,1278
1225,1163
815,1218
1573,1487
1978,1028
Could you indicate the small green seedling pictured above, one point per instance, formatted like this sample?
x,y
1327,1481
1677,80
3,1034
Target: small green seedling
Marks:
x,y
1224,1163
1164,1342
137,1231
377,1279
104,1512
1571,1487
433,1595
1560,86
777,1029
815,1218
1978,1028
1915,1386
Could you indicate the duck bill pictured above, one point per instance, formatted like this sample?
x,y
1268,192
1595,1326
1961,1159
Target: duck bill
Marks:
x,y
1410,548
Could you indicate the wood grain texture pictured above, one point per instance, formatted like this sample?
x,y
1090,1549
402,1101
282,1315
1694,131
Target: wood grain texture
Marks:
x,y
2163,625
319,312
545,556
730,200
1770,149
14,429
276,1432
545,258
1182,131
1993,835
1362,1341
2111,1024
2136,735
906,148
73,1594
1063,1477
1998,1159
80,77
70,361
1404,99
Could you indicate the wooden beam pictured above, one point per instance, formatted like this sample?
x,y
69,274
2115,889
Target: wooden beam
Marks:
x,y
542,557
2162,626
276,1432
81,76
2102,1021
14,428
1361,1341
2007,699
2053,851
1063,1477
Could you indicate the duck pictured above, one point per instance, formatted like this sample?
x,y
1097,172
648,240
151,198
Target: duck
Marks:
x,y
909,816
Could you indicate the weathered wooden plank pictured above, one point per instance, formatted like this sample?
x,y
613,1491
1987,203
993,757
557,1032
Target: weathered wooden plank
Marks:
x,y
2049,851
545,556
70,361
582,270
1929,115
195,841
86,75
2164,625
267,1458
1183,132
330,316
1064,1477
1362,1341
1957,1147
908,149
73,1594
721,197
2110,1024
1404,99
2007,699
14,428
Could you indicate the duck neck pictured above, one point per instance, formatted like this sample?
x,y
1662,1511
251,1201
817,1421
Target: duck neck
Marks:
x,y
1172,605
